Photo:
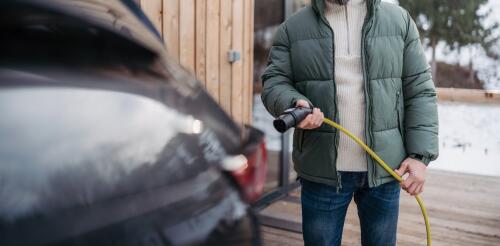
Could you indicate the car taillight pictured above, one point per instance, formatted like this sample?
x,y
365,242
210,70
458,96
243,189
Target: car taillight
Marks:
x,y
251,176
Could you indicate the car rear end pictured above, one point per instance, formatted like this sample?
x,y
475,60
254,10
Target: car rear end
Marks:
x,y
105,142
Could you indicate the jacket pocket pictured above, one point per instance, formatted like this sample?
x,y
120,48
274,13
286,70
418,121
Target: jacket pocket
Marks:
x,y
399,115
390,148
298,139
316,158
399,123
398,93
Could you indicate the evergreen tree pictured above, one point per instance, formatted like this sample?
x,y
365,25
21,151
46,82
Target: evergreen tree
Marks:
x,y
456,22
471,31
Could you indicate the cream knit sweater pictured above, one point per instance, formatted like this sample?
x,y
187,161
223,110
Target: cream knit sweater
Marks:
x,y
347,22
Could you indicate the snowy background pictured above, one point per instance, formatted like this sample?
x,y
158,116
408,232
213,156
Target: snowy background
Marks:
x,y
469,137
487,68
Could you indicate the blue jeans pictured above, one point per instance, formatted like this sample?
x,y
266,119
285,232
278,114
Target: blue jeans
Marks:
x,y
324,210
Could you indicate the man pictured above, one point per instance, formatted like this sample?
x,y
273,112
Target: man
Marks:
x,y
361,63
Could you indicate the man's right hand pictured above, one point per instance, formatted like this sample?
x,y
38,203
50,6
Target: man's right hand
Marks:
x,y
313,120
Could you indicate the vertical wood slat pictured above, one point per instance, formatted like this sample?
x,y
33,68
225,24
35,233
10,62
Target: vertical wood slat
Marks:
x,y
248,61
251,12
201,39
171,27
153,10
237,67
226,30
212,48
187,33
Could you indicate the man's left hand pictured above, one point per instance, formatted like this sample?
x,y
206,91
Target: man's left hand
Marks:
x,y
414,183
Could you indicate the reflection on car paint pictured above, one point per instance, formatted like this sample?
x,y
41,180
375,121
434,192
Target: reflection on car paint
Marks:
x,y
102,135
212,149
199,227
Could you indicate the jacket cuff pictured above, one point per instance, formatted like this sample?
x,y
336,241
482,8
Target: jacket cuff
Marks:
x,y
424,159
295,99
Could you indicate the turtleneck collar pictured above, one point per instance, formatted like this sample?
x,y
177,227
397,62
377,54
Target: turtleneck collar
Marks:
x,y
329,6
319,6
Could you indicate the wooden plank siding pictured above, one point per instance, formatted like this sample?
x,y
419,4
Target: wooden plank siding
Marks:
x,y
237,67
154,10
199,34
212,43
187,32
171,27
248,60
225,42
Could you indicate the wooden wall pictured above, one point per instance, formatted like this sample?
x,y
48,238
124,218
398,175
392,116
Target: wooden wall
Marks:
x,y
199,34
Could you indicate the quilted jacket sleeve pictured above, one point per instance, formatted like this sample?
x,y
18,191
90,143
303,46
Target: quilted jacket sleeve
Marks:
x,y
279,93
420,100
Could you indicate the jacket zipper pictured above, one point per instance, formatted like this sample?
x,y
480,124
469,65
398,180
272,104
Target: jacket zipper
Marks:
x,y
397,99
336,135
368,129
396,107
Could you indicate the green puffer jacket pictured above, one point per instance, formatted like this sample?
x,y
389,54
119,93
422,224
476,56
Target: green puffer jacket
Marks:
x,y
401,106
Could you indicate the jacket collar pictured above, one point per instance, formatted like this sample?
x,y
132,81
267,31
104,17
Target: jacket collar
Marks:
x,y
319,7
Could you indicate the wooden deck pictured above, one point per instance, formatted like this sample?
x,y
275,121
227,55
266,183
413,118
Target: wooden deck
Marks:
x,y
463,210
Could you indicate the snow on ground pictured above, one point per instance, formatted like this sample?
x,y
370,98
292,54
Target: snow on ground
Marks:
x,y
469,138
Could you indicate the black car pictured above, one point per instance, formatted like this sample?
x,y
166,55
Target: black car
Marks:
x,y
105,141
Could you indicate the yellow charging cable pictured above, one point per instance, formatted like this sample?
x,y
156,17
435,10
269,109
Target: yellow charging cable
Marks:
x,y
387,168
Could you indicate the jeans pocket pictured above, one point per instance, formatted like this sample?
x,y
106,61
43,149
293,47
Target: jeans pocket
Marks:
x,y
391,187
314,196
323,197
